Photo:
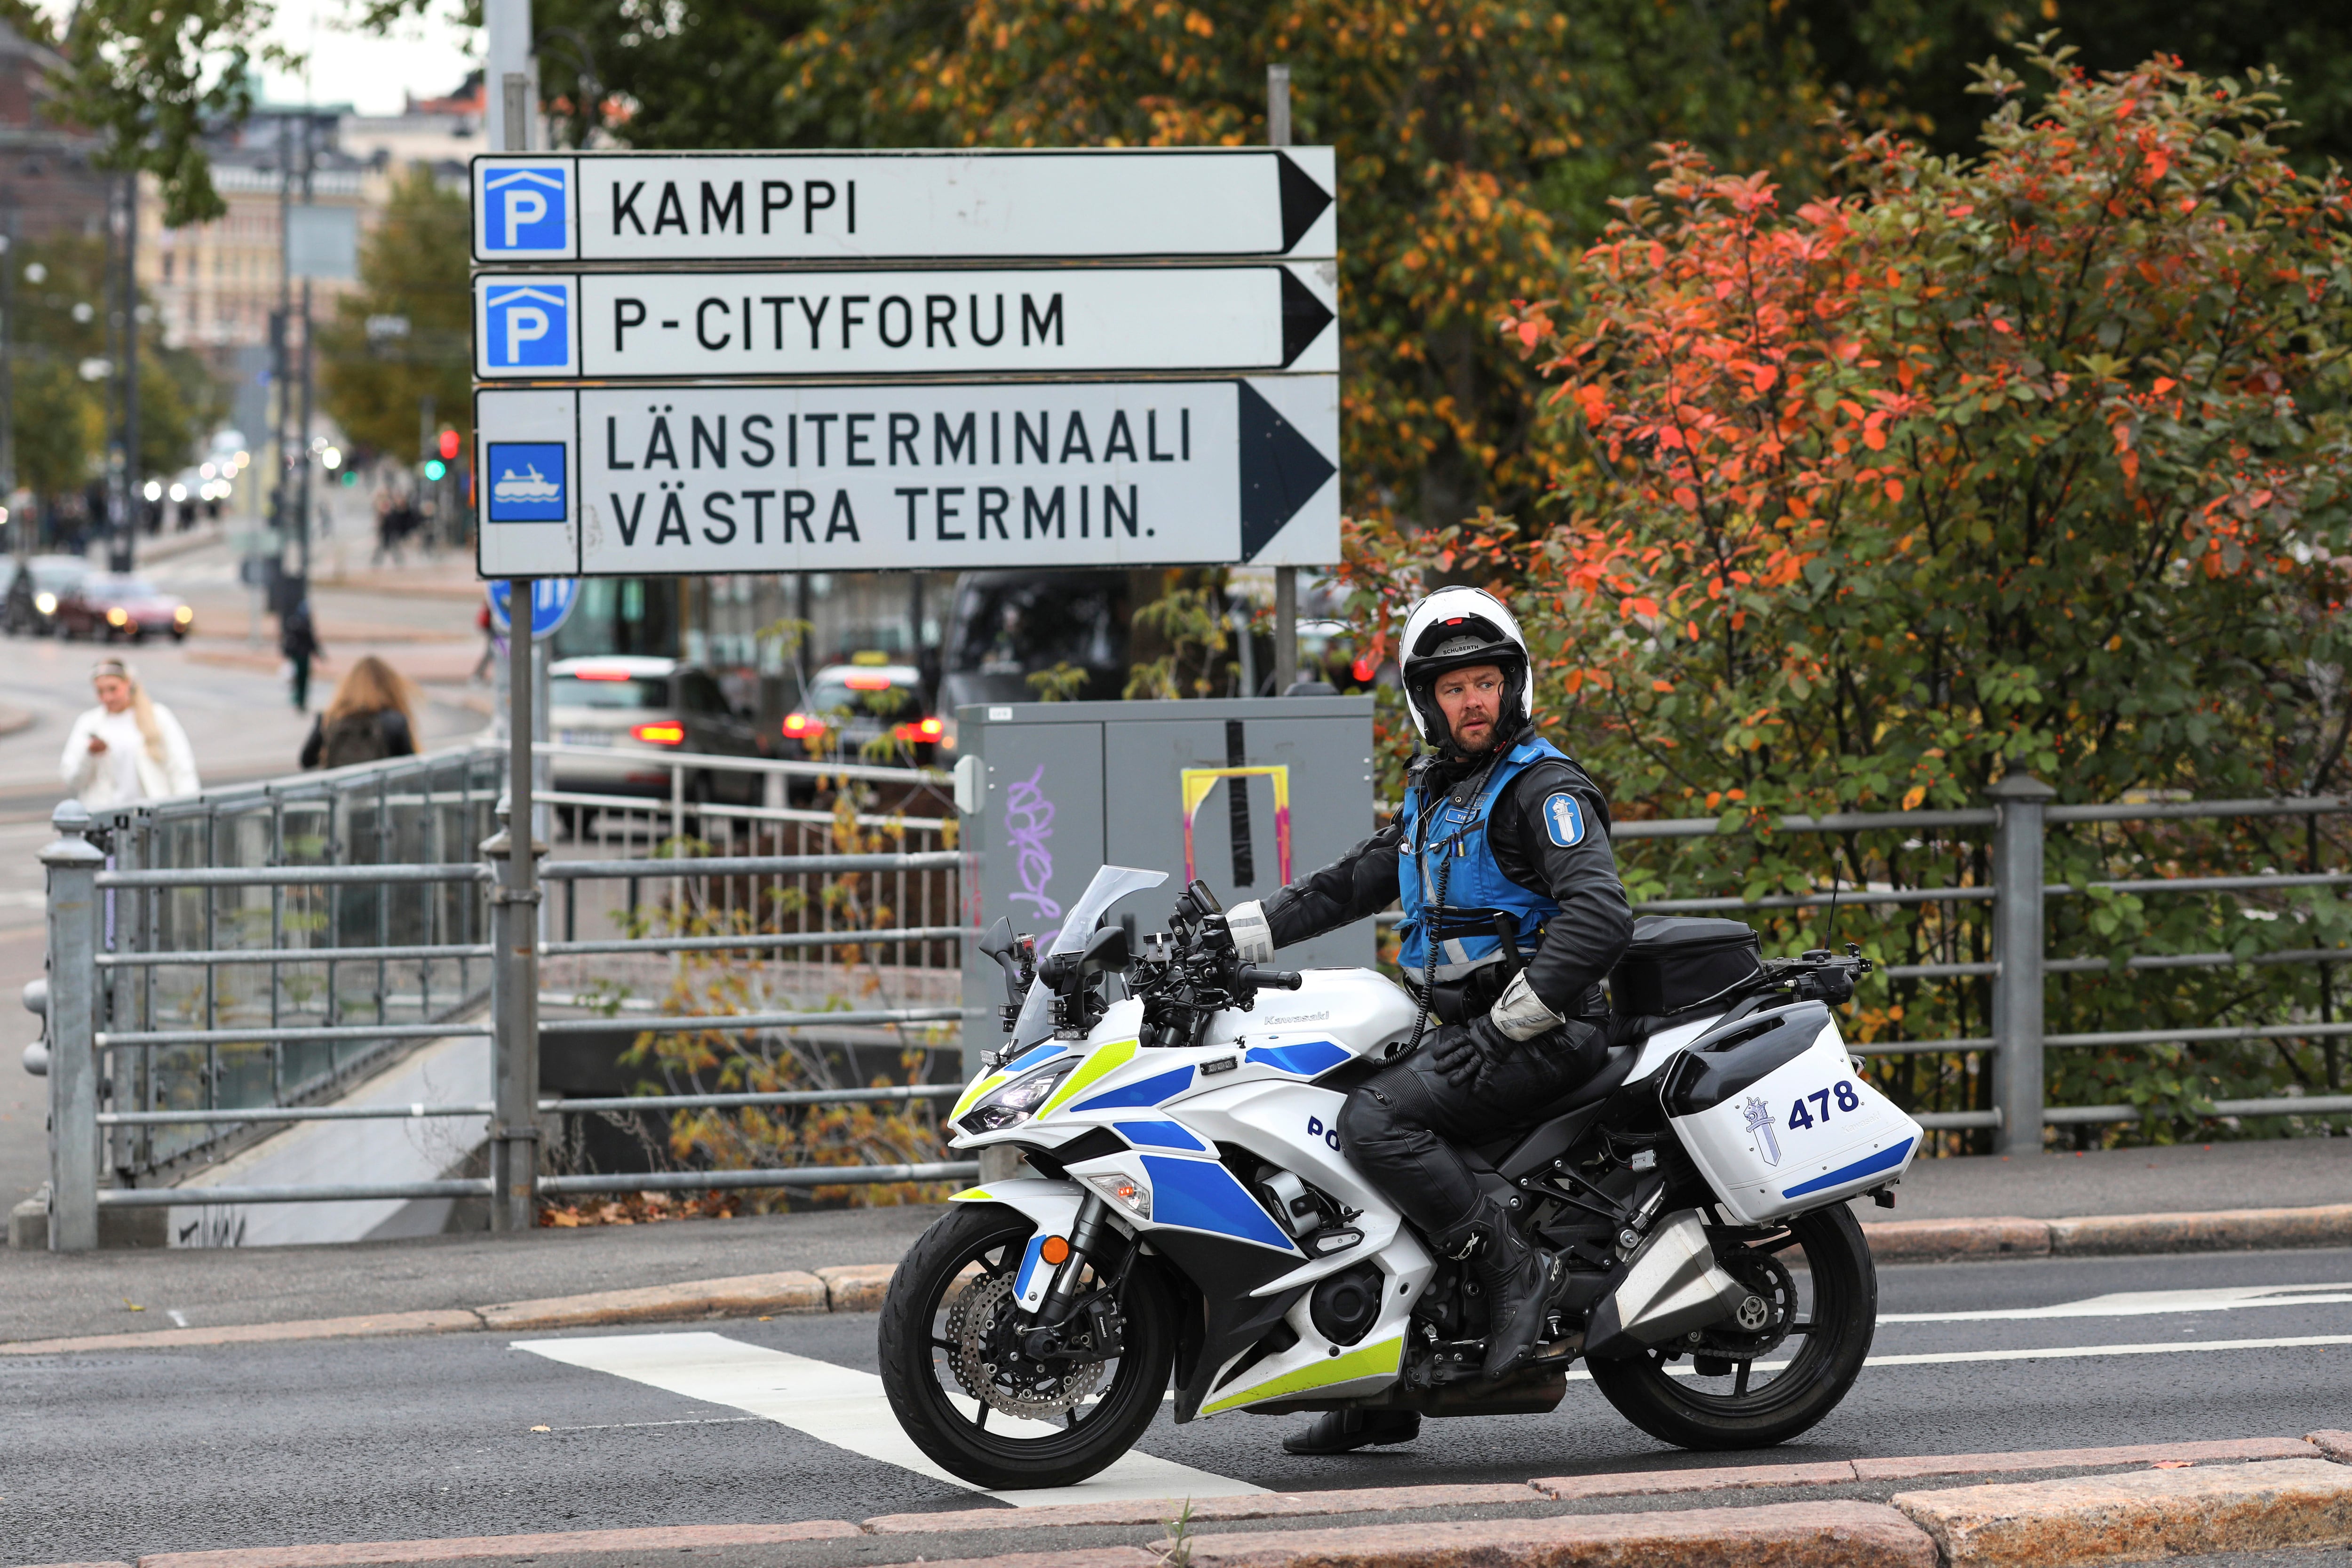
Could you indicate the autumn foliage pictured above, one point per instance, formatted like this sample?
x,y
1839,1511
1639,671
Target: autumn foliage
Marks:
x,y
2035,461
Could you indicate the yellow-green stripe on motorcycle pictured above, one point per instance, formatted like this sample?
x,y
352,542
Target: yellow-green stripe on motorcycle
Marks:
x,y
973,1095
1106,1060
1368,1361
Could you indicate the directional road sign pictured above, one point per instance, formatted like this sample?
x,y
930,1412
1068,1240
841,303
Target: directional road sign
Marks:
x,y
676,480
819,207
619,326
551,601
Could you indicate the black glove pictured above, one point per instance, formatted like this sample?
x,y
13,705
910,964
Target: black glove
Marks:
x,y
1465,1053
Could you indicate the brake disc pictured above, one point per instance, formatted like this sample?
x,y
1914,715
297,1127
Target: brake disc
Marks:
x,y
987,1361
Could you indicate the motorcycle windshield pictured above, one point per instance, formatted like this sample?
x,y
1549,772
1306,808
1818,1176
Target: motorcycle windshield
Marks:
x,y
1111,884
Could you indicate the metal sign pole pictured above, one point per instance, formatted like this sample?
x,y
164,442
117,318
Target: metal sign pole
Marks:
x,y
515,913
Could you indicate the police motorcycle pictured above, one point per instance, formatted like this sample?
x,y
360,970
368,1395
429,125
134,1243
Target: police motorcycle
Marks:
x,y
1164,1195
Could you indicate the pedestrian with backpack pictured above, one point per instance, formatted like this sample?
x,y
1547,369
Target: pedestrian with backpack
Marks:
x,y
371,716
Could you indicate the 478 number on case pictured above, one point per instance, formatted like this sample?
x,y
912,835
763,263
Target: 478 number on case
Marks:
x,y
1800,1118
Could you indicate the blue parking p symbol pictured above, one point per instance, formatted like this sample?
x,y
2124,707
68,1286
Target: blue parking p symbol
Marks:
x,y
527,326
523,210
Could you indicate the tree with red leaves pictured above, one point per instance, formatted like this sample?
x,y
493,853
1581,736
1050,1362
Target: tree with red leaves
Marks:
x,y
2036,461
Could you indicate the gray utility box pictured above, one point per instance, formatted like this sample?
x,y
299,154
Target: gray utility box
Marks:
x,y
1246,794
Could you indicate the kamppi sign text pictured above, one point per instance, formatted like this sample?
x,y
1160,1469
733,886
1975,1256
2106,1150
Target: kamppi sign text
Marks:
x,y
816,373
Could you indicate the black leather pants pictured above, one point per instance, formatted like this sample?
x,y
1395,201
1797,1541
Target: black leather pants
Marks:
x,y
1403,1125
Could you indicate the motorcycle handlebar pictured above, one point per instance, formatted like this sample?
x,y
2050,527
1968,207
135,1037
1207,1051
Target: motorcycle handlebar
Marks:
x,y
1278,979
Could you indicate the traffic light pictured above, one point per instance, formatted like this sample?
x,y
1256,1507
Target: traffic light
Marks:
x,y
434,468
448,446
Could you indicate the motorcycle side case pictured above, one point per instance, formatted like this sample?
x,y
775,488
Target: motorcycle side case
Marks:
x,y
1779,1122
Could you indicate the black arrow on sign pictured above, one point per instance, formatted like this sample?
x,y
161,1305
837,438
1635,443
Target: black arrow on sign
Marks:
x,y
1304,317
1281,469
1303,201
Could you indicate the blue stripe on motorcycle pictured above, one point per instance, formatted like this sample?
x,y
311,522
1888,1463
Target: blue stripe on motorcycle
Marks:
x,y
1044,1053
1029,1261
1148,1092
1869,1165
1159,1135
1309,1058
1200,1194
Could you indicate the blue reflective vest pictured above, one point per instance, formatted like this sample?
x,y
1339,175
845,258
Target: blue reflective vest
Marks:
x,y
1475,889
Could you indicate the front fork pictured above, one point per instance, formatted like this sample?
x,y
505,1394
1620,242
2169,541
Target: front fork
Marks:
x,y
1089,1233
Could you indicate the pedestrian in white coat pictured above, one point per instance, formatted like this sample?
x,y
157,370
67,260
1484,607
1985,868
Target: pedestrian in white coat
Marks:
x,y
128,748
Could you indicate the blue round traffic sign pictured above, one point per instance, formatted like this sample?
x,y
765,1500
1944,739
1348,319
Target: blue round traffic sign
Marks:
x,y
552,599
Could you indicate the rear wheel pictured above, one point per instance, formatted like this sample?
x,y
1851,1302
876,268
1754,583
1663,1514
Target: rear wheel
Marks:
x,y
950,1339
1730,1386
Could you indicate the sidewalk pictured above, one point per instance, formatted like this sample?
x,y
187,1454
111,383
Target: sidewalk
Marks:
x,y
1988,1207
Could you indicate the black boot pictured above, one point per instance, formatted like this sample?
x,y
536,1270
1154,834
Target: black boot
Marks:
x,y
1517,1278
1342,1431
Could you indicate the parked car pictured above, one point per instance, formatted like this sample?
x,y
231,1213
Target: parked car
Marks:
x,y
849,708
35,595
104,605
642,711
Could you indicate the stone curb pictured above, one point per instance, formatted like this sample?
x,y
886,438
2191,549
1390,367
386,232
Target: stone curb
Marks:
x,y
1632,1483
2239,1503
672,1538
1818,1534
2144,1514
792,1291
2099,1235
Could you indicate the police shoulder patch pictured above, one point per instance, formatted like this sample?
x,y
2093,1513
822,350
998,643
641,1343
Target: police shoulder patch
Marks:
x,y
1564,819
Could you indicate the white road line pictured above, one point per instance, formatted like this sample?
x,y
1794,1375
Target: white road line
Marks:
x,y
2145,1303
843,1407
2059,1352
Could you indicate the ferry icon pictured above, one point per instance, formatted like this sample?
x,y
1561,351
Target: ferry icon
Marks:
x,y
524,490
529,486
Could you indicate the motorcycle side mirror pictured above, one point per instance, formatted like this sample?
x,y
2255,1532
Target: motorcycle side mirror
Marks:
x,y
1106,954
998,944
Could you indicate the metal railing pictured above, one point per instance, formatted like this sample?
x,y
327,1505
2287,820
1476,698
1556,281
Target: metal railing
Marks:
x,y
327,876
2009,1060
280,924
248,987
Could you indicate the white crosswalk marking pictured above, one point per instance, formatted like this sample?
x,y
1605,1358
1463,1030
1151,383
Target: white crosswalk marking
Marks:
x,y
2057,1352
844,1407
2145,1303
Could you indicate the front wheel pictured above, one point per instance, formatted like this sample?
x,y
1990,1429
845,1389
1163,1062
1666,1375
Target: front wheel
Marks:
x,y
952,1363
1735,1391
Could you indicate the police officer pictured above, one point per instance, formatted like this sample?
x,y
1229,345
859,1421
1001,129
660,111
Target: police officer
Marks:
x,y
1513,914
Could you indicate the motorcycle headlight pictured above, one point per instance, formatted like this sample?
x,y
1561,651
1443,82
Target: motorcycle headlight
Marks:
x,y
1012,1105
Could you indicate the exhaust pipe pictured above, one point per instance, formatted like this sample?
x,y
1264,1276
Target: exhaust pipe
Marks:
x,y
1670,1286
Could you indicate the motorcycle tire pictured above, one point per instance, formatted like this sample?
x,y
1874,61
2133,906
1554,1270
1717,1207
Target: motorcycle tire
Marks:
x,y
1020,1453
1842,1318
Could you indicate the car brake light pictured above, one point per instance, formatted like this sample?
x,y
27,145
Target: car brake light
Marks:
x,y
798,725
859,681
932,728
599,674
660,734
929,730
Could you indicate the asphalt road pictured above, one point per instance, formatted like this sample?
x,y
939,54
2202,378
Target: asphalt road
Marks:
x,y
110,1456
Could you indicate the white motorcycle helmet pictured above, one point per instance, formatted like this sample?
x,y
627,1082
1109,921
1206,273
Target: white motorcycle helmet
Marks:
x,y
1457,628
